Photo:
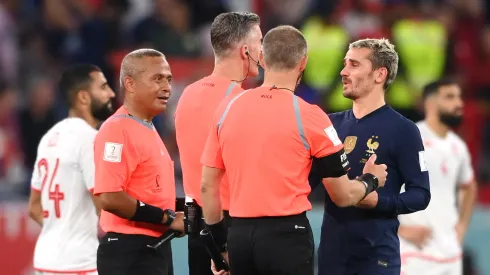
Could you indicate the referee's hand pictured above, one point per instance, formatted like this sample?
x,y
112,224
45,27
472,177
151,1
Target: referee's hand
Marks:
x,y
178,223
222,272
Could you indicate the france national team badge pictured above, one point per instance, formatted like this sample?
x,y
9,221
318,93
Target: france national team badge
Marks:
x,y
349,144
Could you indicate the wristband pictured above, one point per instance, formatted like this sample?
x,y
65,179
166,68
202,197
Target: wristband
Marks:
x,y
147,213
371,182
219,233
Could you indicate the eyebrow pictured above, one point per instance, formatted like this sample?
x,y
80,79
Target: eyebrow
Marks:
x,y
351,60
163,75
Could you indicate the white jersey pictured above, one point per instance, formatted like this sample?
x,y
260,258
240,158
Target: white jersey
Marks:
x,y
64,174
449,165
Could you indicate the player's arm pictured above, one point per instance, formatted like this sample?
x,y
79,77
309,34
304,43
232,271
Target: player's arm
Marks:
x,y
331,161
212,173
115,160
314,178
467,190
410,162
35,208
87,164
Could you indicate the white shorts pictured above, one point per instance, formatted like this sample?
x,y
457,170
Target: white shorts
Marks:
x,y
418,266
58,273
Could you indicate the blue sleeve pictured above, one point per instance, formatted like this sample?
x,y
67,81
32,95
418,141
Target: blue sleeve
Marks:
x,y
411,166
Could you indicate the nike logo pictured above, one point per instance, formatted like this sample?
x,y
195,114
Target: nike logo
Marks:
x,y
113,239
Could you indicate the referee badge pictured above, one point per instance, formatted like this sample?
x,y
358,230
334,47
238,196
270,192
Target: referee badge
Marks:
x,y
349,144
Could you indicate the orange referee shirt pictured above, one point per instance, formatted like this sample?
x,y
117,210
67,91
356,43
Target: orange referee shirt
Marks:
x,y
193,120
265,139
131,157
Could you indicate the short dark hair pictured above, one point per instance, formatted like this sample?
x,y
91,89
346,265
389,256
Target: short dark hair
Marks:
x,y
128,67
433,87
75,79
283,47
230,28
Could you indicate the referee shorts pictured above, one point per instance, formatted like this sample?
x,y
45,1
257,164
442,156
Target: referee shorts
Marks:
x,y
271,245
125,254
199,259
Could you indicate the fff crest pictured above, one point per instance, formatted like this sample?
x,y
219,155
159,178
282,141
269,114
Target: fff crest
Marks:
x,y
349,144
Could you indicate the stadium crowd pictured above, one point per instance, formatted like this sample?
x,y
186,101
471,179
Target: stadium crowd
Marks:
x,y
39,38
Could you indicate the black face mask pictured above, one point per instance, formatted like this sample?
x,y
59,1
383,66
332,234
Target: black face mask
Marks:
x,y
450,120
101,111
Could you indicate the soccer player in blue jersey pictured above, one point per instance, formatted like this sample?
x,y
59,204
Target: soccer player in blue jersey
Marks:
x,y
362,239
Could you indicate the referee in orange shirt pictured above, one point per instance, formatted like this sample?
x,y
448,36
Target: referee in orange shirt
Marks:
x,y
236,39
266,139
134,175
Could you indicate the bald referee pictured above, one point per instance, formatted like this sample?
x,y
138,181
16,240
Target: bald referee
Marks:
x,y
265,139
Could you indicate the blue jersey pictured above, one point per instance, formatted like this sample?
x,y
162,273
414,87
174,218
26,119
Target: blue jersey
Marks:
x,y
355,240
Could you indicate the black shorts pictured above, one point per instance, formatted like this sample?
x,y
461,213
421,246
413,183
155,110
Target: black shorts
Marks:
x,y
125,254
271,245
199,259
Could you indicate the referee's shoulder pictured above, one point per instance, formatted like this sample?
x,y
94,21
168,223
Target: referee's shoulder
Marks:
x,y
112,125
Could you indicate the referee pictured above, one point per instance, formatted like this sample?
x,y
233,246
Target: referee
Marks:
x,y
265,139
236,40
134,175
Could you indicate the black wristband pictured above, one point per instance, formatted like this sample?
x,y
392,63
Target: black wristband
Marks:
x,y
219,233
371,182
147,213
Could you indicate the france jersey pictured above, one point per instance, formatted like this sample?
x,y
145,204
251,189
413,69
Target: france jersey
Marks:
x,y
357,241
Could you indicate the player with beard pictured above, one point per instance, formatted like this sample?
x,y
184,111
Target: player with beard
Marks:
x,y
431,240
362,239
61,200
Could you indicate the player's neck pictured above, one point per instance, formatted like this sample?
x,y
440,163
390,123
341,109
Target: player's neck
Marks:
x,y
85,116
229,69
366,105
436,126
281,80
136,112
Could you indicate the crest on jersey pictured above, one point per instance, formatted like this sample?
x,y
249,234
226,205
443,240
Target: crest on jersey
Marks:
x,y
372,145
349,144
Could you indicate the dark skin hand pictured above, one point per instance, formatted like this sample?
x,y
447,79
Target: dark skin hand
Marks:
x,y
124,206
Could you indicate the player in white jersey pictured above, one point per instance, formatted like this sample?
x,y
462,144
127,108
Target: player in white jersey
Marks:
x,y
431,240
61,200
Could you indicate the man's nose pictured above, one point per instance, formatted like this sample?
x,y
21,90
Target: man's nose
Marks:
x,y
344,72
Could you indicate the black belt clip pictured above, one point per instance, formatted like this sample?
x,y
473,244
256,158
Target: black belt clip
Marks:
x,y
192,217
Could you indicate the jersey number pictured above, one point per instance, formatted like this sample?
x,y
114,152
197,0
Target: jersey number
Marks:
x,y
54,193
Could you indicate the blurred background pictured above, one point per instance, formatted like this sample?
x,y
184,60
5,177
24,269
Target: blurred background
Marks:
x,y
38,38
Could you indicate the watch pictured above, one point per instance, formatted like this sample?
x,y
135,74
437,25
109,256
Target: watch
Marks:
x,y
170,216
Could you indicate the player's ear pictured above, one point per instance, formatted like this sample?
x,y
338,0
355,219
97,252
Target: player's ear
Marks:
x,y
429,102
83,97
381,75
